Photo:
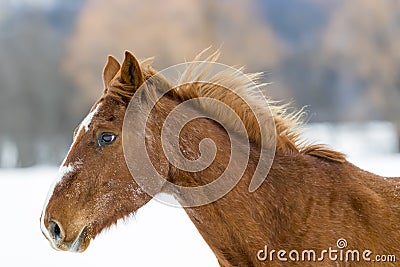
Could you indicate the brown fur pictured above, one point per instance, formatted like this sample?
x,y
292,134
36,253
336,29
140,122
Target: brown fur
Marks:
x,y
311,197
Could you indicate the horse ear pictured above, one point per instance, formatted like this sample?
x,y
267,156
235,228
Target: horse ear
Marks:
x,y
131,73
110,70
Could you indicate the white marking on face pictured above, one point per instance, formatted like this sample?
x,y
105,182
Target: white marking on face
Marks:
x,y
64,170
88,119
84,125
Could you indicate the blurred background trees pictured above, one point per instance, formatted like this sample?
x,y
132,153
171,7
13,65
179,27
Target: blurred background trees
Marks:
x,y
341,58
35,108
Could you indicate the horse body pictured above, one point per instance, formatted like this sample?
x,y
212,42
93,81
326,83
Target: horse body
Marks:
x,y
302,207
306,202
311,198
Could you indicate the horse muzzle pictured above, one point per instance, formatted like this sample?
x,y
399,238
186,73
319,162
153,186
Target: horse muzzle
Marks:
x,y
57,238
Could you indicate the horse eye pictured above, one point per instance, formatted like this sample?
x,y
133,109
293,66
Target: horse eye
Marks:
x,y
106,139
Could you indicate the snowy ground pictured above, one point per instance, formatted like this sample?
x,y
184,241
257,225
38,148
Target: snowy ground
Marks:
x,y
159,236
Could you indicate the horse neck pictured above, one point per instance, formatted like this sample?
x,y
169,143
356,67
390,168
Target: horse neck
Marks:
x,y
219,222
278,211
297,187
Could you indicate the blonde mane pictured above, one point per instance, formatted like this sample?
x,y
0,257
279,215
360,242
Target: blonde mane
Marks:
x,y
244,92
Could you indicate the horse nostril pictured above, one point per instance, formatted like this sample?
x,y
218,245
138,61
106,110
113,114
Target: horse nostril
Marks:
x,y
55,231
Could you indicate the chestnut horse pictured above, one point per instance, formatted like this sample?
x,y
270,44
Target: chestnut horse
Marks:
x,y
314,208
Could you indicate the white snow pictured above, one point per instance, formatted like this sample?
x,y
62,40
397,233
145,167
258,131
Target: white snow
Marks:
x,y
159,235
356,139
